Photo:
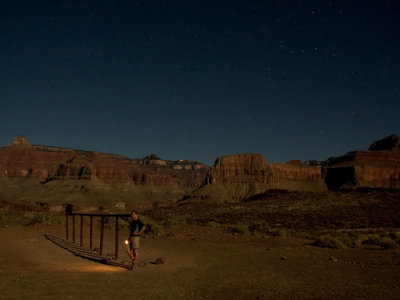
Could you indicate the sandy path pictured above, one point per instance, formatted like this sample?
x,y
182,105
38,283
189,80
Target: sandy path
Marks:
x,y
212,266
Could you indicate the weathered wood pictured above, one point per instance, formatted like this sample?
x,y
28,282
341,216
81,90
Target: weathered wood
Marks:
x,y
116,237
81,233
101,235
66,227
103,216
73,228
91,233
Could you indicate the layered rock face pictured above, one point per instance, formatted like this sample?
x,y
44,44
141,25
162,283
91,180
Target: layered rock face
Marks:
x,y
46,164
236,177
379,167
294,175
390,143
20,141
241,169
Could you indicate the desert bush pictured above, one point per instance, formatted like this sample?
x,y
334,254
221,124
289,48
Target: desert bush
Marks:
x,y
387,243
259,226
152,227
372,239
303,234
277,232
109,222
350,240
382,238
176,220
385,240
123,223
327,241
38,218
395,235
213,224
238,228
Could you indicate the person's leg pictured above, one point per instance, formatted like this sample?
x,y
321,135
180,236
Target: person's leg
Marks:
x,y
135,250
130,253
136,254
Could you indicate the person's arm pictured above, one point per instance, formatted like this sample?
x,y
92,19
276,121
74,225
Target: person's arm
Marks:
x,y
141,229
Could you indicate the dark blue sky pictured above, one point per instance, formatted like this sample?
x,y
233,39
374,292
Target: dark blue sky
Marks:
x,y
200,79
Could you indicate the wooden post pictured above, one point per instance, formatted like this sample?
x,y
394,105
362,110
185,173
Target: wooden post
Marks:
x,y
116,237
101,235
66,226
91,233
73,229
81,235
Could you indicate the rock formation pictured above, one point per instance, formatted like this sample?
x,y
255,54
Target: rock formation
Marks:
x,y
294,175
233,177
236,177
390,143
240,176
46,164
241,169
379,167
20,141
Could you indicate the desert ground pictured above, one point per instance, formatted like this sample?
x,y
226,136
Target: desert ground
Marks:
x,y
210,256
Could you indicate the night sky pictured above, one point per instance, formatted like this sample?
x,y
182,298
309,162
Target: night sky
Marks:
x,y
200,79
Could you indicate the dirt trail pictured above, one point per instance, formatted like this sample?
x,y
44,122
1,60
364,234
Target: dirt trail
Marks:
x,y
200,264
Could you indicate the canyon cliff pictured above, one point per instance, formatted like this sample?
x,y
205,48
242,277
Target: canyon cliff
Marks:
x,y
93,175
46,167
45,164
295,175
237,177
379,167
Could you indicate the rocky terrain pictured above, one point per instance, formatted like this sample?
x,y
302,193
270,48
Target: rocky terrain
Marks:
x,y
238,177
278,244
63,175
295,175
46,163
34,172
379,167
245,229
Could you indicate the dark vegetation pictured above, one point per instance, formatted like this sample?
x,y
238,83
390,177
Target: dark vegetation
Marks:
x,y
349,218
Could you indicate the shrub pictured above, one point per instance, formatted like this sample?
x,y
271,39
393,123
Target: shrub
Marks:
x,y
259,226
2,215
387,243
213,224
152,227
176,220
280,232
38,218
123,223
109,222
373,239
395,235
350,240
238,228
327,241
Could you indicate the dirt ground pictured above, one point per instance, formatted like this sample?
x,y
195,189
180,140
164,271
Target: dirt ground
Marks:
x,y
200,263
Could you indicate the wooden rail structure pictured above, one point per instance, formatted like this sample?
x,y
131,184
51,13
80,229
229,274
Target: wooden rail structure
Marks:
x,y
102,222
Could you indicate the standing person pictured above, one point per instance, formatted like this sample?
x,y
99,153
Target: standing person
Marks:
x,y
136,228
